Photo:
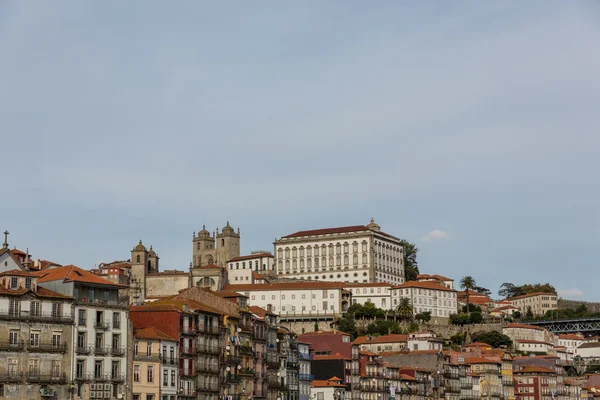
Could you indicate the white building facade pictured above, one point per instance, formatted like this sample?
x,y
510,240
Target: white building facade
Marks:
x,y
356,254
297,298
239,269
438,299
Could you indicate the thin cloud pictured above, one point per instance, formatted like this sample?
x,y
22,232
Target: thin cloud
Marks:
x,y
574,292
435,234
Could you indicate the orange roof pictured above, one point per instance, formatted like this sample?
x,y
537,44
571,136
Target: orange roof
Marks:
x,y
251,257
524,326
366,353
405,377
480,360
531,295
285,286
505,308
39,292
479,344
381,339
151,333
317,333
329,383
261,312
534,368
257,276
424,285
175,304
18,272
570,336
71,273
438,277
328,231
336,356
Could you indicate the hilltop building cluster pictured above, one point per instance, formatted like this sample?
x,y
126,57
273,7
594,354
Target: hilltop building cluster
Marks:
x,y
239,327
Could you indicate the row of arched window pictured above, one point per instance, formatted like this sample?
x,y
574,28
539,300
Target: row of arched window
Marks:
x,y
323,250
325,262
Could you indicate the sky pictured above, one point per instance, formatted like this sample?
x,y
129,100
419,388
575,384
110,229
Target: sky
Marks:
x,y
468,128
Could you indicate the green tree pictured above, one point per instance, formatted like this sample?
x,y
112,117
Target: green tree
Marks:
x,y
493,338
459,319
467,283
517,315
482,290
424,316
404,309
472,308
348,325
475,317
316,326
529,313
411,266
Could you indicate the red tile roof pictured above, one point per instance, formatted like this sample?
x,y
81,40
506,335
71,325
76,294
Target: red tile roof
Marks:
x,y
533,369
18,272
39,292
531,295
71,273
329,383
424,285
437,277
285,286
532,341
328,231
151,333
480,360
261,312
336,356
257,276
251,257
380,339
570,336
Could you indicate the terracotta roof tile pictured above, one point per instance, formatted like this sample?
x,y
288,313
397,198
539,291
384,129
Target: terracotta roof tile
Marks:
x,y
18,272
533,369
151,333
570,336
336,356
424,285
284,286
480,360
531,295
71,273
321,383
328,231
250,257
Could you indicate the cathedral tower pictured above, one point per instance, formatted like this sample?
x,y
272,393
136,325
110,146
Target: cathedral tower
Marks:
x,y
139,269
228,245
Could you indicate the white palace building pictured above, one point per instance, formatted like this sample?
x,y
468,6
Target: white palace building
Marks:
x,y
353,254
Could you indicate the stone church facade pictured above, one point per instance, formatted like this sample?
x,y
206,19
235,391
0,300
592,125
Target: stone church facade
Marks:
x,y
210,255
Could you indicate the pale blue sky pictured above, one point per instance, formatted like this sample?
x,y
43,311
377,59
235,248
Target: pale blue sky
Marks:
x,y
145,119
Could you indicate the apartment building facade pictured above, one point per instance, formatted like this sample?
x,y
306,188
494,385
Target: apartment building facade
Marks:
x,y
101,331
539,303
36,327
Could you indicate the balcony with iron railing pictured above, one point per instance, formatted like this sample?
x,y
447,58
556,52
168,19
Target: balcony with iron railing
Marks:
x,y
207,368
232,378
102,377
202,386
187,350
101,324
305,356
117,377
168,360
84,377
188,330
6,345
100,302
306,377
101,350
507,380
186,394
9,377
47,347
186,373
246,350
117,351
232,360
273,364
469,395
52,378
276,384
246,371
205,349
48,317
208,329
292,364
146,357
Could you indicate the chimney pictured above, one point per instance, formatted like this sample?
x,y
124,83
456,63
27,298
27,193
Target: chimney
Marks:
x,y
269,308
185,308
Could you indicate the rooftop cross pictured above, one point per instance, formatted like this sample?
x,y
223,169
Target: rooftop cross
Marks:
x,y
5,245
